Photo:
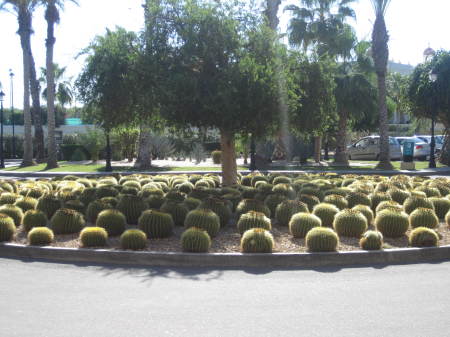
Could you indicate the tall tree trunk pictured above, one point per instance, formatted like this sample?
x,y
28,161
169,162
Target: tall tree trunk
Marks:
x,y
37,113
108,167
341,157
144,148
271,13
25,31
385,158
317,149
51,16
229,167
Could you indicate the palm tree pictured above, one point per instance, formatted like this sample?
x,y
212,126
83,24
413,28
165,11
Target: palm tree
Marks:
x,y
64,92
52,18
23,10
380,52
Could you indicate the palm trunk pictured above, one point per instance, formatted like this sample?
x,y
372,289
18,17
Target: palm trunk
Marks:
x,y
317,149
385,158
144,161
108,167
341,157
229,167
51,16
37,115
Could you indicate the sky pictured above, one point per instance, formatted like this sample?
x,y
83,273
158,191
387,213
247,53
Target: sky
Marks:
x,y
413,26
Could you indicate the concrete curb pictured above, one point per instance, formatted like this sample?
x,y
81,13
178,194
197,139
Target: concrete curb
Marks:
x,y
276,260
100,174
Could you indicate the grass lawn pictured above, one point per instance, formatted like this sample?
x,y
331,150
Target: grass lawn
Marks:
x,y
420,165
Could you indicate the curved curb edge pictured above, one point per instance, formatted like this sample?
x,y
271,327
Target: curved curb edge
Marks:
x,y
275,260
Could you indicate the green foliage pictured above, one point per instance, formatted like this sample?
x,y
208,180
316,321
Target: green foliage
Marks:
x,y
7,228
40,236
253,219
326,213
350,223
371,240
216,157
205,219
286,209
321,239
79,155
14,212
302,223
195,240
34,218
93,237
423,237
257,240
94,141
423,217
156,224
133,239
392,223
112,220
66,221
132,207
49,204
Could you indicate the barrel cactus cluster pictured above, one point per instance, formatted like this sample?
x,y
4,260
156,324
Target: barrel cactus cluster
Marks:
x,y
316,212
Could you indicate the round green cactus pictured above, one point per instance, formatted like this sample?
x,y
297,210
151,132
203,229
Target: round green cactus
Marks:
x,y
302,223
414,202
350,223
133,239
358,198
379,197
191,203
132,207
26,203
93,237
388,204
105,191
423,217
287,209
34,218
281,180
35,192
338,200
49,204
94,208
7,228
76,205
253,219
423,237
399,195
371,240
14,212
284,189
178,211
366,211
257,240
220,207
429,191
156,224
88,195
309,200
112,220
40,236
195,240
321,239
7,198
204,219
312,191
66,221
441,206
273,200
247,205
392,223
326,213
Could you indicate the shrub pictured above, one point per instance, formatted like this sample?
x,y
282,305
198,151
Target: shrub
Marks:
x,y
49,204
257,240
34,218
391,223
133,239
338,200
112,220
178,211
93,237
287,209
322,239
204,219
14,212
415,202
94,208
219,207
371,240
302,223
423,237
40,236
247,205
358,198
326,213
423,217
195,240
156,224
28,203
216,157
350,223
132,207
66,221
7,228
253,219
366,211
441,206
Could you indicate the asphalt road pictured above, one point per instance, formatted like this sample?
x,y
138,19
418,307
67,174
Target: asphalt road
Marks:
x,y
40,299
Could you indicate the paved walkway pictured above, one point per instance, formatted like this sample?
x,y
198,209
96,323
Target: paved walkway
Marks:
x,y
64,300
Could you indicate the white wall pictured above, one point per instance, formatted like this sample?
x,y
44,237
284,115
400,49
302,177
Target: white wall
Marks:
x,y
66,129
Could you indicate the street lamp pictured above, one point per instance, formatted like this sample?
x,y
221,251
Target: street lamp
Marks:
x,y
433,76
2,96
11,76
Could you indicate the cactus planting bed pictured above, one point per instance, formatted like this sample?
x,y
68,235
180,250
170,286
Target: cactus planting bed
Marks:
x,y
194,213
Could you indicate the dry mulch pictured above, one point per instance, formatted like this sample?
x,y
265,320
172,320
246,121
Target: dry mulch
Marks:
x,y
228,241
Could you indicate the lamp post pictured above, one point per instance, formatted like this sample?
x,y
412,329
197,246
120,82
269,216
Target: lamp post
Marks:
x,y
2,160
11,76
433,78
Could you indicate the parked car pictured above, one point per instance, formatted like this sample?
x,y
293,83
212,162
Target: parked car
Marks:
x,y
421,147
438,139
368,148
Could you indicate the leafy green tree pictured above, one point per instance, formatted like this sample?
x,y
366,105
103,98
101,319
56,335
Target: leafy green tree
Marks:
x,y
106,83
380,51
64,93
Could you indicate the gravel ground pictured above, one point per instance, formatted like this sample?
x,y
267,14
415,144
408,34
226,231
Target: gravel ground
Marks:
x,y
228,241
